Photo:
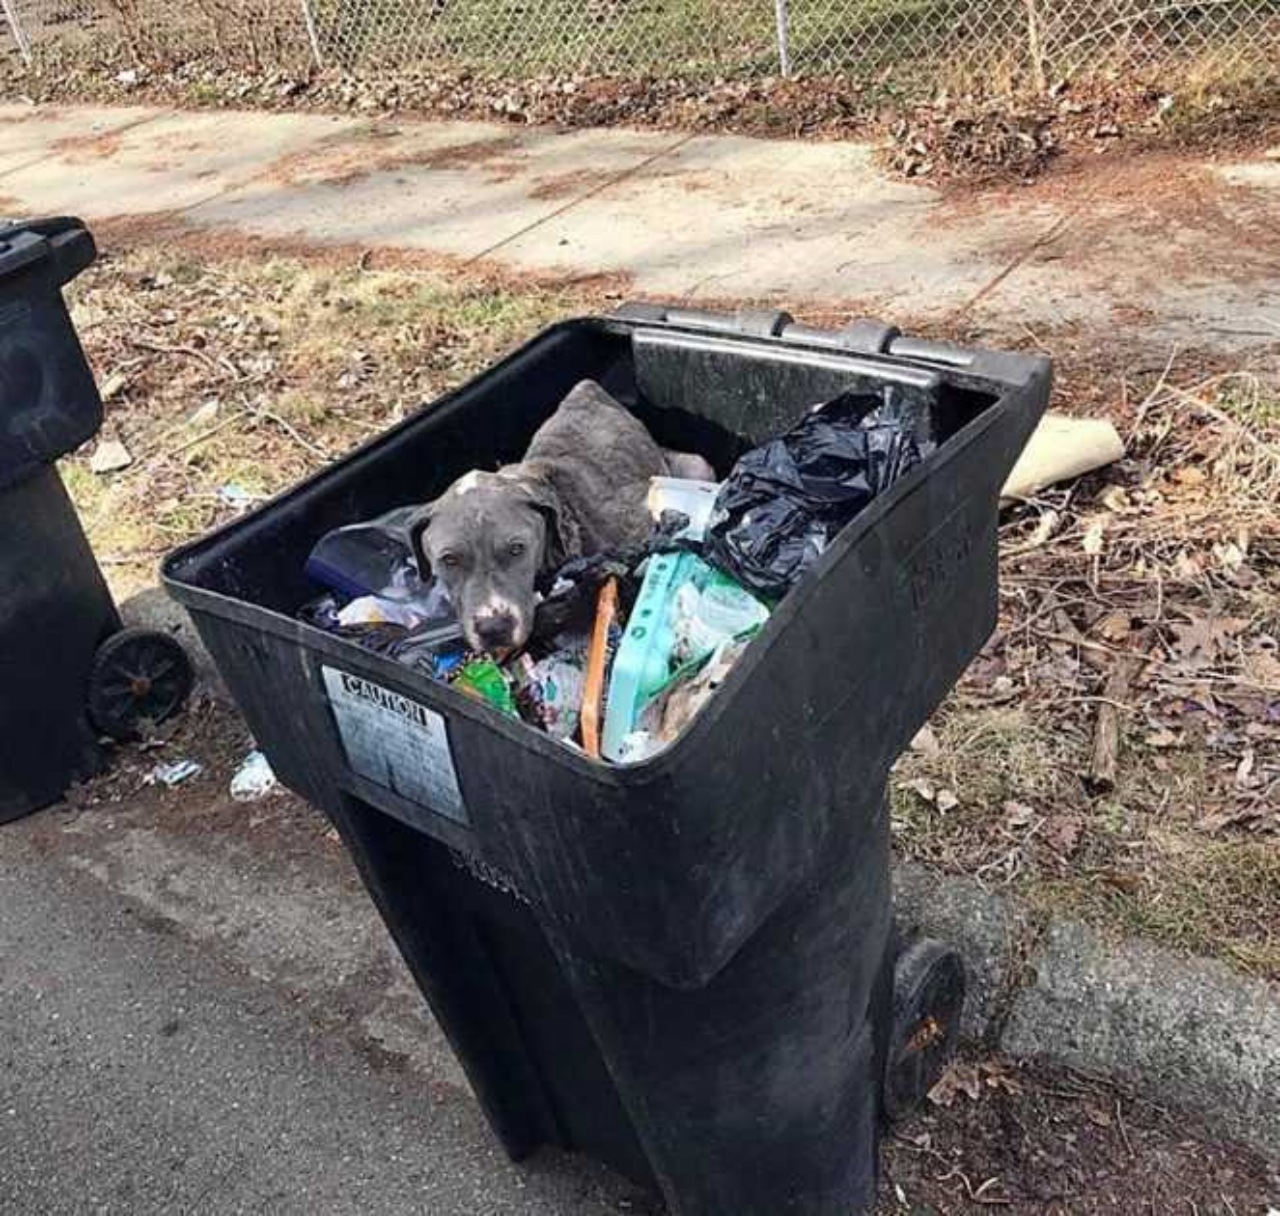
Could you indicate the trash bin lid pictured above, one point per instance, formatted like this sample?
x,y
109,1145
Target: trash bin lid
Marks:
x,y
49,404
62,243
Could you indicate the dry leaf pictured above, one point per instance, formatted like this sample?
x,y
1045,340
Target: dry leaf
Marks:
x,y
1244,770
1188,566
113,386
1262,667
998,1076
1114,627
1045,527
1017,814
921,786
110,456
1002,689
1163,738
1114,499
1093,537
926,743
946,800
1190,475
1215,821
1121,881
206,415
960,1078
1062,833
1202,637
1230,556
1096,1115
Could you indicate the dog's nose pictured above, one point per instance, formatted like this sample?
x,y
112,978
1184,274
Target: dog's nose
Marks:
x,y
497,631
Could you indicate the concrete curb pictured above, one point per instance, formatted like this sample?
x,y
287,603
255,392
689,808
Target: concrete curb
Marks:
x,y
1188,1031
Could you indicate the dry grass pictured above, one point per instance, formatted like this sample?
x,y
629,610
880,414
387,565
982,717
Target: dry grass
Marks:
x,y
1169,562
1217,97
1209,897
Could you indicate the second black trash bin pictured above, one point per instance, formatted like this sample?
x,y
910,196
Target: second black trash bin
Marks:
x,y
55,609
683,967
68,673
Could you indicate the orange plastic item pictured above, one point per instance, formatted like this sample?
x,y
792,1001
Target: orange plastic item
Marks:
x,y
597,668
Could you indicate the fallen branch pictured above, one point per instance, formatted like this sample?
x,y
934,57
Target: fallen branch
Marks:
x,y
147,460
1106,733
221,363
289,429
209,434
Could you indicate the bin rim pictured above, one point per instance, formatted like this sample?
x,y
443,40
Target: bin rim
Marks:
x,y
1017,372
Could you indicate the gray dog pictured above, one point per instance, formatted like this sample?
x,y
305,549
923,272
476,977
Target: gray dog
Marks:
x,y
581,489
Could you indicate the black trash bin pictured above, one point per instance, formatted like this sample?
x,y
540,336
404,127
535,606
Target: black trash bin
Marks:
x,y
54,606
686,967
68,673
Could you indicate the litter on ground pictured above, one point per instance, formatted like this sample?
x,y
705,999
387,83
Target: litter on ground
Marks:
x,y
254,779
173,773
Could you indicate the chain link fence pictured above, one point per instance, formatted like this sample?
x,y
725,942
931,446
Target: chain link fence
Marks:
x,y
257,34
890,42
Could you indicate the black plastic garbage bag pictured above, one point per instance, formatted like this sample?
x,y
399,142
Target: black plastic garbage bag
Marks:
x,y
785,501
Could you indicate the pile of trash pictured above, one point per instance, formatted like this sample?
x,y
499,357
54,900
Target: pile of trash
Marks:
x,y
628,647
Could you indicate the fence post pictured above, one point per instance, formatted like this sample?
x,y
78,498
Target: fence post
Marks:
x,y
313,35
19,34
782,11
1035,47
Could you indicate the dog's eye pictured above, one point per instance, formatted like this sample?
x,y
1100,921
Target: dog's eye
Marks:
x,y
517,548
450,561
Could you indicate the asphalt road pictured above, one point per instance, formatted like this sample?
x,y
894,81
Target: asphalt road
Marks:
x,y
138,1075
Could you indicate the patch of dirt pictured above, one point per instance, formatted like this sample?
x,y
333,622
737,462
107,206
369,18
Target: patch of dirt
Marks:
x,y
176,141
79,149
1034,1142
143,233
127,795
571,185
341,161
1154,190
1169,219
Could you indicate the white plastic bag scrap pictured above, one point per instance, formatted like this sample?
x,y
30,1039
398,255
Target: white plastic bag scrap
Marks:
x,y
254,779
174,773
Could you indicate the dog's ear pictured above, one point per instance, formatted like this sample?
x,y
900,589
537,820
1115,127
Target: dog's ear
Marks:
x,y
564,536
419,522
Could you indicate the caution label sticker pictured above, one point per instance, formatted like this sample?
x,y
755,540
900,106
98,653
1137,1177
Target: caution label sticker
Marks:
x,y
396,742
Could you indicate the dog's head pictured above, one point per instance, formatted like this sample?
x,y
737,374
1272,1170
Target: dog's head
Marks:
x,y
488,538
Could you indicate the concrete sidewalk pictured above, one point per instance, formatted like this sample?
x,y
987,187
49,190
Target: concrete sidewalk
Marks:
x,y
1183,252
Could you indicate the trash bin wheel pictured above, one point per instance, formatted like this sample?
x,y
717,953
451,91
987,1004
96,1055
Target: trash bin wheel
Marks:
x,y
928,996
139,676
